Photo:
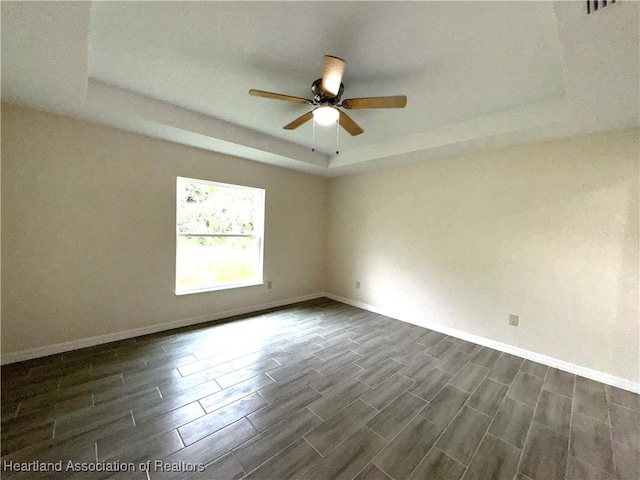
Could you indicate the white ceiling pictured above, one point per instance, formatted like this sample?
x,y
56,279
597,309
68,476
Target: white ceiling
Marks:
x,y
477,74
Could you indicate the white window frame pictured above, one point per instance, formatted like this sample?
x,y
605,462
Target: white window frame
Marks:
x,y
258,233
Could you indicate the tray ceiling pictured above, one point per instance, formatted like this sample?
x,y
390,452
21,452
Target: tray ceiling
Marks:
x,y
477,74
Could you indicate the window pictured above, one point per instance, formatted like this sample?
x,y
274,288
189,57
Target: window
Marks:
x,y
219,236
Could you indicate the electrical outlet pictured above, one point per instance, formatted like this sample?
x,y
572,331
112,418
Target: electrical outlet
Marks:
x,y
269,284
513,320
358,285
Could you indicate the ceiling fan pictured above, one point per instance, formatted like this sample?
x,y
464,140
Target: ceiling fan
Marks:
x,y
327,92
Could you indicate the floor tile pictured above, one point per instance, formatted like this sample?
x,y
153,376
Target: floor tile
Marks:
x,y
488,397
238,376
469,377
75,451
625,426
349,459
469,348
229,395
387,391
370,345
374,358
339,398
454,362
214,421
432,384
337,378
534,368
164,422
442,349
326,436
127,450
210,447
623,398
262,447
591,442
93,386
505,369
293,383
445,405
380,372
545,454
495,460
512,421
281,408
432,339
408,448
53,405
216,361
101,427
289,463
281,373
396,415
25,438
148,377
627,461
339,361
371,472
559,382
419,367
180,385
590,399
486,357
408,351
87,416
335,350
554,411
579,470
438,466
462,437
525,388
225,468
314,374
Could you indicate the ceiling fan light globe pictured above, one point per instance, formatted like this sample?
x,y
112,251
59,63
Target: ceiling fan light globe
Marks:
x,y
326,115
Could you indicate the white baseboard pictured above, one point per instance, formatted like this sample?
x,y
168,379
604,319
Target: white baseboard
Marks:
x,y
503,347
136,332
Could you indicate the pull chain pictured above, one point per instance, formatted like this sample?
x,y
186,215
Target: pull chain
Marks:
x,y
337,136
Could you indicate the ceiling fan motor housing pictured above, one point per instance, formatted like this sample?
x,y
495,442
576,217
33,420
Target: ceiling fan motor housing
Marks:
x,y
320,97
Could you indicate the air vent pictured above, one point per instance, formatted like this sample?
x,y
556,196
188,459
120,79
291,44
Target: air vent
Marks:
x,y
595,5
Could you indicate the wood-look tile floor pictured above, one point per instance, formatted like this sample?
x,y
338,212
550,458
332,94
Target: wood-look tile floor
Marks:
x,y
317,390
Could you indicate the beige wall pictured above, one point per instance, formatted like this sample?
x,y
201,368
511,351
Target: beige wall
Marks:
x,y
88,230
547,231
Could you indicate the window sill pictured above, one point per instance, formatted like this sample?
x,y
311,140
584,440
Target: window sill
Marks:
x,y
219,287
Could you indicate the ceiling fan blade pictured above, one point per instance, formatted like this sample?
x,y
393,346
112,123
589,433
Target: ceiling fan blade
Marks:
x,y
332,72
399,101
349,125
279,96
299,121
